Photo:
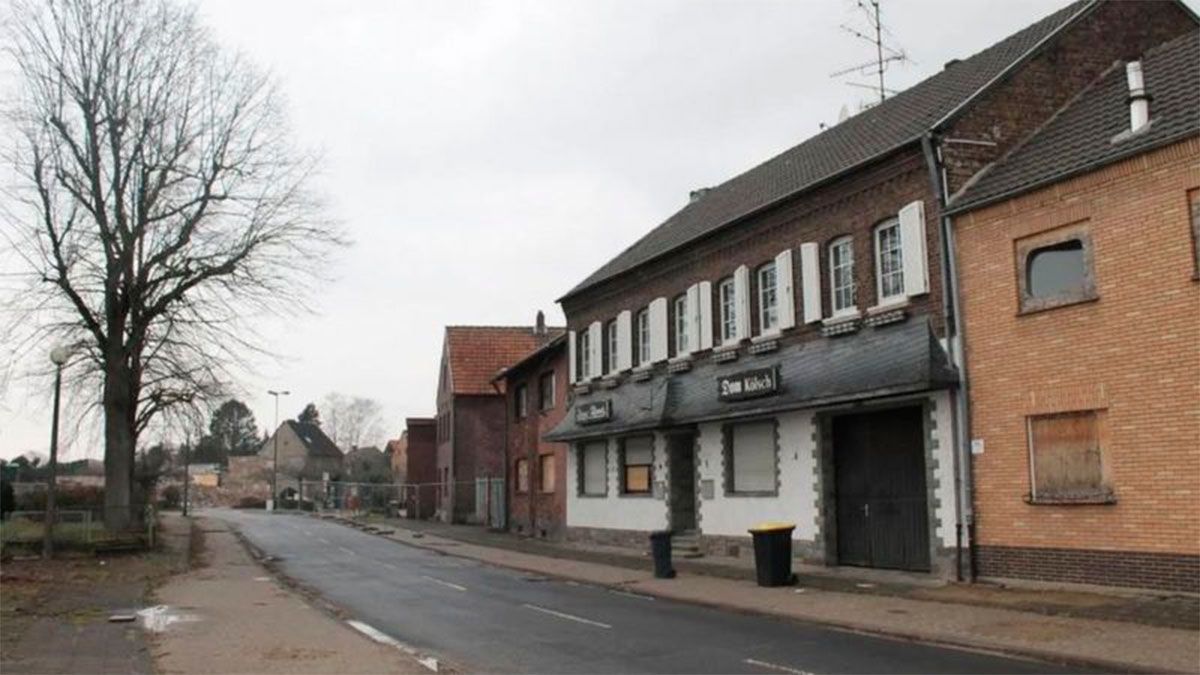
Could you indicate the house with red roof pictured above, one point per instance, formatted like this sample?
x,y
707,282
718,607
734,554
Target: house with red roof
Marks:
x,y
471,417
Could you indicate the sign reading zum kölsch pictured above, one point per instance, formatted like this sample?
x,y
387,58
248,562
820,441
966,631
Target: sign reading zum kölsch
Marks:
x,y
748,384
592,412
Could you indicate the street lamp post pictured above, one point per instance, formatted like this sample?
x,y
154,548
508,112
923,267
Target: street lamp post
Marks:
x,y
58,356
275,450
187,478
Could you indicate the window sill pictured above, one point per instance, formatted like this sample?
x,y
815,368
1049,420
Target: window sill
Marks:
x,y
766,337
587,496
636,495
1085,500
1030,306
889,305
753,493
841,318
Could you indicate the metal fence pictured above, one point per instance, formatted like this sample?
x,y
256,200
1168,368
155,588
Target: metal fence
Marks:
x,y
70,526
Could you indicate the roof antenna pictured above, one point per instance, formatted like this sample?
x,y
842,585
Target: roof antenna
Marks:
x,y
885,53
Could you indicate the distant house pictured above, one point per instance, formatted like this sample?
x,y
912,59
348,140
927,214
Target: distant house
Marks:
x,y
366,465
471,409
305,453
421,472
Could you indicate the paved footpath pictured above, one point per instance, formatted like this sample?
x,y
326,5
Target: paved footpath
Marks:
x,y
1114,645
230,616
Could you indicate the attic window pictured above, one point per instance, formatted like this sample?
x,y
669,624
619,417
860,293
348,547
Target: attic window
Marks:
x,y
1055,269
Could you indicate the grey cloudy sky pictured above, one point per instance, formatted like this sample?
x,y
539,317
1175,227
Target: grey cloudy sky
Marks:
x,y
486,156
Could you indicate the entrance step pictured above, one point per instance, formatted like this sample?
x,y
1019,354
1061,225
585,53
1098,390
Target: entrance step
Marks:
x,y
686,544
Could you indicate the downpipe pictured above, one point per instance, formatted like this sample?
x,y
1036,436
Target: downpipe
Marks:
x,y
963,473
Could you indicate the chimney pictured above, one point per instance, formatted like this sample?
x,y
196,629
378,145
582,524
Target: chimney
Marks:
x,y
1139,101
696,195
539,326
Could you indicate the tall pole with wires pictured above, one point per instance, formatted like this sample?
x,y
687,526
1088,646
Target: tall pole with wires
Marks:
x,y
884,53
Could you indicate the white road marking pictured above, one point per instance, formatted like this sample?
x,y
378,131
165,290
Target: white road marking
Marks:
x,y
447,584
777,667
569,617
346,550
383,638
628,594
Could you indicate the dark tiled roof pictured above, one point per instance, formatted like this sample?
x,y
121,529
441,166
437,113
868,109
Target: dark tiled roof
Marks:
x,y
477,353
1080,137
872,363
896,122
558,344
315,440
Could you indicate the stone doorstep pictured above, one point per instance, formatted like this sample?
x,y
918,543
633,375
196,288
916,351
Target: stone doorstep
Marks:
x,y
906,634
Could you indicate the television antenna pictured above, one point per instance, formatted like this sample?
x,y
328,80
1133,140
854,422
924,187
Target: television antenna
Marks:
x,y
885,53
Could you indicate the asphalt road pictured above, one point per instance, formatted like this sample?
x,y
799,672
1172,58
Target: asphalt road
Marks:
x,y
477,617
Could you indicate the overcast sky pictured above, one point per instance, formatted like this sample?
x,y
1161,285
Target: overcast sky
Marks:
x,y
486,156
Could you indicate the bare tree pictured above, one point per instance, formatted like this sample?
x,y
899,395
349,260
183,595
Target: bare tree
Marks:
x,y
157,205
352,421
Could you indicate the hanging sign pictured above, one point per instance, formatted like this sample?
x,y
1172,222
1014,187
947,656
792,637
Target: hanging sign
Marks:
x,y
748,384
593,412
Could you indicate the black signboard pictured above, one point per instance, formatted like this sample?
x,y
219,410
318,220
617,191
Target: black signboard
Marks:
x,y
593,412
748,384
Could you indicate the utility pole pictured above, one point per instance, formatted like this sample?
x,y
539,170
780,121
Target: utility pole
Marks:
x,y
879,51
59,357
275,451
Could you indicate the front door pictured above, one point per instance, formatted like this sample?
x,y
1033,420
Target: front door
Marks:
x,y
882,514
681,458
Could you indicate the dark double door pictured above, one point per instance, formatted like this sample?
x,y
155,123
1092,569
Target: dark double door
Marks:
x,y
882,509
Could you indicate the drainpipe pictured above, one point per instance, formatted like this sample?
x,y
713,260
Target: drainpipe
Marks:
x,y
963,474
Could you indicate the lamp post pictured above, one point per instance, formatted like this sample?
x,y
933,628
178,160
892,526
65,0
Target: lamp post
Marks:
x,y
58,356
187,461
275,450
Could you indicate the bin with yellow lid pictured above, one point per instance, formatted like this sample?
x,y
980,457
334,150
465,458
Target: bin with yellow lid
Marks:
x,y
773,553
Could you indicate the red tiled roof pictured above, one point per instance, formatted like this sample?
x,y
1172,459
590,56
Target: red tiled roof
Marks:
x,y
477,353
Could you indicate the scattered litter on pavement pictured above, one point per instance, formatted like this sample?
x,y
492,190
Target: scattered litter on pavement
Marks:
x,y
160,617
799,590
121,618
865,585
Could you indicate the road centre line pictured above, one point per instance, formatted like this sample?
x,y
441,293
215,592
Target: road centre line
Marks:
x,y
444,583
569,617
776,667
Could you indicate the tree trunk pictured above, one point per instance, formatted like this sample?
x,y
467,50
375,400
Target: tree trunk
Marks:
x,y
119,405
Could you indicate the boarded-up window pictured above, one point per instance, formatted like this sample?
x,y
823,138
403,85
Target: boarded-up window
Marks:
x,y
522,475
1065,456
546,473
752,457
638,458
595,468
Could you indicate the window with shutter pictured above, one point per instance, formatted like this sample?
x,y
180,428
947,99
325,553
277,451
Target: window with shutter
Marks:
x,y
751,457
624,340
810,273
585,355
912,239
658,330
611,346
741,286
594,466
889,262
682,346
841,277
643,337
637,460
728,301
768,299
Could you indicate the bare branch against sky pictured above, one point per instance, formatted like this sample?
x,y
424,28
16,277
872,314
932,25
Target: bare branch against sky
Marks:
x,y
485,157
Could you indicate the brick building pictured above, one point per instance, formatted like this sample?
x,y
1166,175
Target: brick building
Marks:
x,y
471,414
783,347
421,471
536,390
1079,284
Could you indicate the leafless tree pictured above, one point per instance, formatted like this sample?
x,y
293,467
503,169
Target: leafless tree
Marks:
x,y
156,205
351,421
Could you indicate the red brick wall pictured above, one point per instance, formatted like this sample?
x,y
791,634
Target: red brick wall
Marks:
x,y
421,464
1016,107
1134,353
535,512
478,436
853,205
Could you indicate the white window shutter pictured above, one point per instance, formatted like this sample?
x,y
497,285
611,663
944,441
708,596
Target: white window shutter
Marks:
x,y
595,347
693,318
784,290
625,340
810,281
705,314
658,330
741,291
912,239
572,342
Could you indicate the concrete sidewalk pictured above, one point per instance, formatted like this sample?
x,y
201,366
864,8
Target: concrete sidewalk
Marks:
x,y
229,616
1115,645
